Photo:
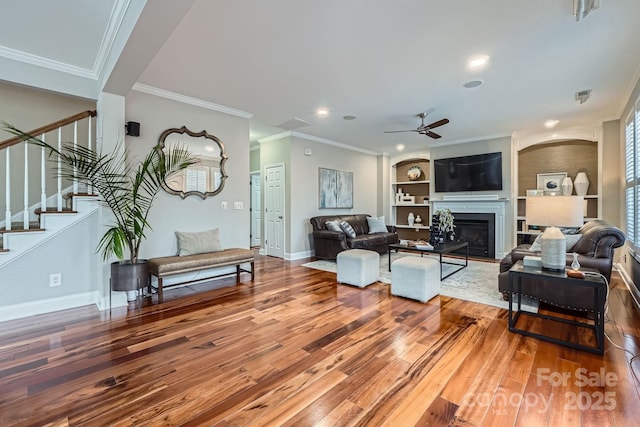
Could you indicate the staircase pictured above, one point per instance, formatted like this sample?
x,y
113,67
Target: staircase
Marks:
x,y
38,203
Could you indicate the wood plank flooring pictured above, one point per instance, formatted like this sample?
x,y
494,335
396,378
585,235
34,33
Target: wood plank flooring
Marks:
x,y
296,349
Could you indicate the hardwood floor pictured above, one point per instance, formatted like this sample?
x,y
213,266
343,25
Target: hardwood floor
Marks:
x,y
295,348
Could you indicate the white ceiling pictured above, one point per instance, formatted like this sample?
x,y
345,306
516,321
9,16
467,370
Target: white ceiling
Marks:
x,y
382,61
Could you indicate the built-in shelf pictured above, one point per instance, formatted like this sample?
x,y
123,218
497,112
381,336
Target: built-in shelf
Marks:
x,y
413,227
415,199
410,182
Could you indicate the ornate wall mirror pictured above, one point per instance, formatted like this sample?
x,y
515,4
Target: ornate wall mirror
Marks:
x,y
205,178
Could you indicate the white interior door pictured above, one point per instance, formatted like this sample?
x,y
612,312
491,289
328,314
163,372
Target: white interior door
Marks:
x,y
256,209
274,210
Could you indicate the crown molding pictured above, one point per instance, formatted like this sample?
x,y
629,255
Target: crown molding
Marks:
x,y
50,64
116,17
274,137
315,139
139,87
330,142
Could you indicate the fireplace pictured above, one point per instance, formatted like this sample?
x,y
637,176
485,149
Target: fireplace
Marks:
x,y
477,229
475,206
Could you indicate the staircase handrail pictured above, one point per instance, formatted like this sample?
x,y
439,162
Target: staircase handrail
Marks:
x,y
48,128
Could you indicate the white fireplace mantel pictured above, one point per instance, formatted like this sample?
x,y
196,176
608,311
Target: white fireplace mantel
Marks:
x,y
496,207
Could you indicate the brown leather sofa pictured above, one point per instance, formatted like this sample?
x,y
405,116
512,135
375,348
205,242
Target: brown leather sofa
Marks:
x,y
595,250
329,243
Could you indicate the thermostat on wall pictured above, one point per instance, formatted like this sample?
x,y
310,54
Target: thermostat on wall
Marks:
x,y
307,151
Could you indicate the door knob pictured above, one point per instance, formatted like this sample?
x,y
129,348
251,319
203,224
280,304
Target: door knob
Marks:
x,y
280,217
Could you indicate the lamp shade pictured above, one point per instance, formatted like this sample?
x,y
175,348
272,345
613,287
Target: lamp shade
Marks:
x,y
552,211
558,211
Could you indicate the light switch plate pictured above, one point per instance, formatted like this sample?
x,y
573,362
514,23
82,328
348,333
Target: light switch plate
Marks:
x,y
238,205
223,205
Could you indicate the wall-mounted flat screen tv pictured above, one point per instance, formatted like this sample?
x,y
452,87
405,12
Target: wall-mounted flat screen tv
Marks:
x,y
479,172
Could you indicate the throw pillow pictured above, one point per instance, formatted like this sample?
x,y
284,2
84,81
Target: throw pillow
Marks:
x,y
199,242
348,229
333,225
376,225
572,239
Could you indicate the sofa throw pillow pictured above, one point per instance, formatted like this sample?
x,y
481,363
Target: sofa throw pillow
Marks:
x,y
572,239
333,225
348,229
198,242
377,225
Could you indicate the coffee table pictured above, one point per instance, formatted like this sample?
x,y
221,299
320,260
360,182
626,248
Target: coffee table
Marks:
x,y
592,281
441,249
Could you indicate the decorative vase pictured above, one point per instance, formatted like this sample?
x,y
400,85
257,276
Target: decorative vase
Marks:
x,y
575,265
418,219
567,186
410,218
581,184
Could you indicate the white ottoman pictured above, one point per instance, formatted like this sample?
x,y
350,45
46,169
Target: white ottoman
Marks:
x,y
415,277
358,267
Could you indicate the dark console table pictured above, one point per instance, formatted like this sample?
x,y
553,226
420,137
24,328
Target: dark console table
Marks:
x,y
594,282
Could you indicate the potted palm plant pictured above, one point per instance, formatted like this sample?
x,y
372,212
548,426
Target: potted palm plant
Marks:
x,y
128,191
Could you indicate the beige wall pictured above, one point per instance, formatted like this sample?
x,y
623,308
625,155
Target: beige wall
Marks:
x,y
28,109
302,184
171,213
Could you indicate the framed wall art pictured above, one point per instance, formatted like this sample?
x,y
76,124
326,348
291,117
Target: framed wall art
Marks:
x,y
335,189
551,183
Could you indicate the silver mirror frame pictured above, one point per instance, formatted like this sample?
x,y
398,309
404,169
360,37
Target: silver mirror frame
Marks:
x,y
202,134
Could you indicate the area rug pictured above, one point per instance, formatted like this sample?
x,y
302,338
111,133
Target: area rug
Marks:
x,y
477,283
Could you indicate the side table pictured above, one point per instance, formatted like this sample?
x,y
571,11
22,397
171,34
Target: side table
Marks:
x,y
597,283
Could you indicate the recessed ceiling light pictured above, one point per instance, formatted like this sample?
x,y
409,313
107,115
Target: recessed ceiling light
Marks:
x,y
349,117
478,62
322,111
472,84
551,123
400,147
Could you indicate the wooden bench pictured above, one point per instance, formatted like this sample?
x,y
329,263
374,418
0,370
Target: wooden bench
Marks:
x,y
170,265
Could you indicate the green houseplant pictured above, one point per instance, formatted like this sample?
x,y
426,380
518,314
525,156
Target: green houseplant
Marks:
x,y
127,190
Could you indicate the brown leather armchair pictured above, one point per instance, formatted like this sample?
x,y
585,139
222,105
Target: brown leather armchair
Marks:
x,y
595,250
328,243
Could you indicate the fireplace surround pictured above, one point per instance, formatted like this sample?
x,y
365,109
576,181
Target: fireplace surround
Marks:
x,y
497,207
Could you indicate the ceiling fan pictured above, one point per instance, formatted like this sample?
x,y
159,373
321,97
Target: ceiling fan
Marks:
x,y
424,129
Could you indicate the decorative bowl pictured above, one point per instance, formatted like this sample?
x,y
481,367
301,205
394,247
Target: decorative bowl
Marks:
x,y
414,173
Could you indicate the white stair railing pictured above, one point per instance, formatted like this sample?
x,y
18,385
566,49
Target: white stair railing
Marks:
x,y
25,214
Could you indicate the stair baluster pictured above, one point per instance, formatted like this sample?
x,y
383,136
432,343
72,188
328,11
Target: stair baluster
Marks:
x,y
43,177
7,180
75,145
25,211
59,192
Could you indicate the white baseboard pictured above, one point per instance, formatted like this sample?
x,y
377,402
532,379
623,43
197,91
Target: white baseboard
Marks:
x,y
626,278
33,308
299,255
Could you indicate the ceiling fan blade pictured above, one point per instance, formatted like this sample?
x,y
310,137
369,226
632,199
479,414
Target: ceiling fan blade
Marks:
x,y
396,131
438,123
432,134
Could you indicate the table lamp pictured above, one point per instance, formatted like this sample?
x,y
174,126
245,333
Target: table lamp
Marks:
x,y
553,212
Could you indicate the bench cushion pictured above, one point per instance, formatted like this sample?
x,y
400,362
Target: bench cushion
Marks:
x,y
164,266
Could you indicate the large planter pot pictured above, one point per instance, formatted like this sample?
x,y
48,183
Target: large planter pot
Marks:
x,y
126,276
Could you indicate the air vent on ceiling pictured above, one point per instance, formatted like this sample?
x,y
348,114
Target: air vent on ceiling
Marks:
x,y
583,95
292,124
